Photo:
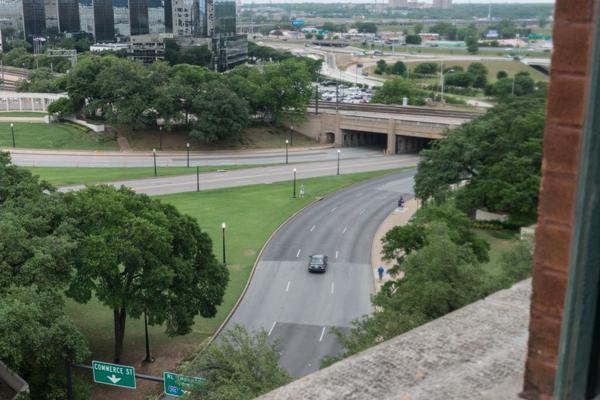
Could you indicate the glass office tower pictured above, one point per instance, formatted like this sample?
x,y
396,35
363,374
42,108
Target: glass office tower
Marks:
x,y
34,18
138,17
225,17
68,16
104,21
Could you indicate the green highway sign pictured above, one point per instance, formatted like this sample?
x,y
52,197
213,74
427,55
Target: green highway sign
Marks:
x,y
178,385
114,374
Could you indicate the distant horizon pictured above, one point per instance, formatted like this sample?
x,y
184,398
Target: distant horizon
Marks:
x,y
385,1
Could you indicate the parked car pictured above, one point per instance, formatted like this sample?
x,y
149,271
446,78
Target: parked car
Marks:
x,y
317,263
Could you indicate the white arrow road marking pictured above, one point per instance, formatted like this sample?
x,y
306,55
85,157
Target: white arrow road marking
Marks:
x,y
298,253
288,286
313,228
322,334
272,327
113,378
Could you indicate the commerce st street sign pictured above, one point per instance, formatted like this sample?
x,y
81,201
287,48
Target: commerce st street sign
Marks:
x,y
178,385
114,374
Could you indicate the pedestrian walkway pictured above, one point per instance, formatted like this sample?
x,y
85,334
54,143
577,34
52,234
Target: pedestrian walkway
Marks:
x,y
400,216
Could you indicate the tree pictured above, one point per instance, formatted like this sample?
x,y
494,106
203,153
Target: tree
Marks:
x,y
138,255
428,68
498,156
394,90
37,338
480,72
239,366
220,113
398,68
381,67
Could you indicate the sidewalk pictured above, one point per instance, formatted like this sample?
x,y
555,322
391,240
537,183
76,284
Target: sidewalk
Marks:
x,y
397,217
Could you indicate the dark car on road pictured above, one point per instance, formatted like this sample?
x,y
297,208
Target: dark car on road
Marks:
x,y
317,263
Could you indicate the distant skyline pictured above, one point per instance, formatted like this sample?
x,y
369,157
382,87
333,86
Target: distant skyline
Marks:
x,y
385,1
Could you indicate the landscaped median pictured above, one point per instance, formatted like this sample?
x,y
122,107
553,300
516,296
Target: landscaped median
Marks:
x,y
251,214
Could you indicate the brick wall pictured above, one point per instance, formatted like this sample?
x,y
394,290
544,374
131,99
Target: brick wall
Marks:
x,y
573,36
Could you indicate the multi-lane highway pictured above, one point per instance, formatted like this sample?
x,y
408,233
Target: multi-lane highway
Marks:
x,y
299,309
258,175
49,158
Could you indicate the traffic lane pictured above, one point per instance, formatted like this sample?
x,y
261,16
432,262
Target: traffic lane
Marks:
x,y
341,223
98,159
259,175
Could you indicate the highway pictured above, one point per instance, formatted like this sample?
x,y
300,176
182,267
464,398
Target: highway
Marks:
x,y
48,158
299,309
260,175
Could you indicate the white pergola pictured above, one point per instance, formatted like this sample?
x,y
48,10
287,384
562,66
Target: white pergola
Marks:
x,y
13,101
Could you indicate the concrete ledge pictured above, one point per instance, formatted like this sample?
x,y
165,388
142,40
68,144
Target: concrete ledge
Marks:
x,y
477,352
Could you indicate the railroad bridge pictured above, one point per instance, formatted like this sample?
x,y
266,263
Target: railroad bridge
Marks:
x,y
393,128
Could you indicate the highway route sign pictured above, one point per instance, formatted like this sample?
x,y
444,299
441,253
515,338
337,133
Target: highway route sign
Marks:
x,y
177,385
114,374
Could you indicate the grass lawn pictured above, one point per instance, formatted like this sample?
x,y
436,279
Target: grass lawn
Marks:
x,y
54,136
60,176
22,114
252,213
500,242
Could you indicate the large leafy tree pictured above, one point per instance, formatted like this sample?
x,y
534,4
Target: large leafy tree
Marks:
x,y
37,339
219,113
138,255
239,366
498,156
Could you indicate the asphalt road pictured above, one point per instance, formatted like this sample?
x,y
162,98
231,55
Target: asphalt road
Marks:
x,y
299,309
258,175
49,158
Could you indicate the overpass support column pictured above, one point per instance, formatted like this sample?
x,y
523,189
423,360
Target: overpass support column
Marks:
x,y
339,136
391,137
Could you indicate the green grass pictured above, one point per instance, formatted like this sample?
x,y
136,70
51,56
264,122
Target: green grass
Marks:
x,y
500,242
59,176
252,213
22,114
54,136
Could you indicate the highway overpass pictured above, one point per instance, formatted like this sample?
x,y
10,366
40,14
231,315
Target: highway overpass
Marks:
x,y
393,128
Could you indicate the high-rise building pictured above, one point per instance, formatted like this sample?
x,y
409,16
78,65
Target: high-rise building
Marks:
x,y
138,17
104,20
34,19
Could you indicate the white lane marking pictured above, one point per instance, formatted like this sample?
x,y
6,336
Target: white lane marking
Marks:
x,y
288,286
313,228
322,334
332,287
333,209
337,253
298,253
272,327
362,211
345,229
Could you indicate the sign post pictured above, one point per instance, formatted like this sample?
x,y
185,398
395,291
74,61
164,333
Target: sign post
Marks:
x,y
114,374
177,385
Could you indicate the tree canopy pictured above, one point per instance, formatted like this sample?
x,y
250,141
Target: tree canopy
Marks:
x,y
498,155
136,255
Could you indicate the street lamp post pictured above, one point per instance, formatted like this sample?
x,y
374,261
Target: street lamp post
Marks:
x,y
338,161
12,131
187,145
286,150
223,226
294,192
154,158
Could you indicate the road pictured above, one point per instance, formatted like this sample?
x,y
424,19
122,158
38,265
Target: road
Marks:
x,y
299,309
49,158
258,175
